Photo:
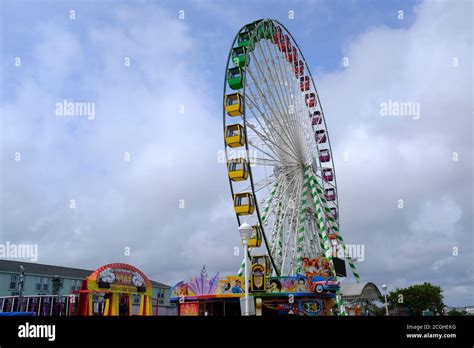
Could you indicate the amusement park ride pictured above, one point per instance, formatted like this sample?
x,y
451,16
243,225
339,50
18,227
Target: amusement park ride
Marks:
x,y
283,183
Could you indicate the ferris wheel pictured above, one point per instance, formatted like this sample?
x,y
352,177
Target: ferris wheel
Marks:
x,y
279,160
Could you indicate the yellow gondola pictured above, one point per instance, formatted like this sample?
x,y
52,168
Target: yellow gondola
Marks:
x,y
233,104
234,135
255,240
238,169
244,203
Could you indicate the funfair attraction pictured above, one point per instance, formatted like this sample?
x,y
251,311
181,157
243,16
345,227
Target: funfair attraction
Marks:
x,y
283,185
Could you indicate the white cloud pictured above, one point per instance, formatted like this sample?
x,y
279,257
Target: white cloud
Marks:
x,y
392,158
437,217
118,204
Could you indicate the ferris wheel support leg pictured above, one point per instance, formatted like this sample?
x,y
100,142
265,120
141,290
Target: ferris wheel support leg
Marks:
x,y
319,217
301,229
241,269
338,234
318,203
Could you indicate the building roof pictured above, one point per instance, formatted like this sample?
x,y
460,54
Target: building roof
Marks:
x,y
50,270
362,291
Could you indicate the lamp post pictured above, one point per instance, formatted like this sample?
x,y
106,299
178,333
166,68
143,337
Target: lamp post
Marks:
x,y
21,282
384,288
245,231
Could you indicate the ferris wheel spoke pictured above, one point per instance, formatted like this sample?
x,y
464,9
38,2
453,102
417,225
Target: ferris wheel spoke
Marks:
x,y
271,127
282,105
255,145
261,184
275,130
255,142
284,187
280,203
267,162
269,90
268,141
298,118
279,70
290,209
286,116
276,117
264,132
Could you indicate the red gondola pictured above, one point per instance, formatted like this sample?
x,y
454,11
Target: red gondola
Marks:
x,y
277,35
320,136
327,174
330,194
317,119
304,83
292,55
284,44
287,50
298,68
324,155
310,99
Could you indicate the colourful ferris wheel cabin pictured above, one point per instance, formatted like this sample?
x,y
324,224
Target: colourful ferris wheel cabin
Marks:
x,y
240,57
243,39
234,135
238,169
233,104
235,78
255,240
244,203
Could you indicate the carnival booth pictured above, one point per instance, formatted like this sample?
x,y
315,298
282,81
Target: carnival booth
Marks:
x,y
311,293
109,291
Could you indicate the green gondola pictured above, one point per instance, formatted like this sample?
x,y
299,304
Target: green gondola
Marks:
x,y
240,57
261,31
235,77
243,40
269,29
251,26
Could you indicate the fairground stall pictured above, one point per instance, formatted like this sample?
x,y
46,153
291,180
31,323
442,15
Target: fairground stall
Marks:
x,y
110,289
311,293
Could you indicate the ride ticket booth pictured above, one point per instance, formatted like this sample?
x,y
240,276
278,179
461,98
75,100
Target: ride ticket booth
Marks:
x,y
109,291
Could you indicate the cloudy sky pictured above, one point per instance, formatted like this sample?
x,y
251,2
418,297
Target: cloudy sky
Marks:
x,y
422,55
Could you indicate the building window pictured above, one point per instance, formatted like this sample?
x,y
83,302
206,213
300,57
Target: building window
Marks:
x,y
76,285
42,284
13,281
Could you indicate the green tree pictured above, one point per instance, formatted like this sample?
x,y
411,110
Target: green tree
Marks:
x,y
456,312
56,285
418,298
379,311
